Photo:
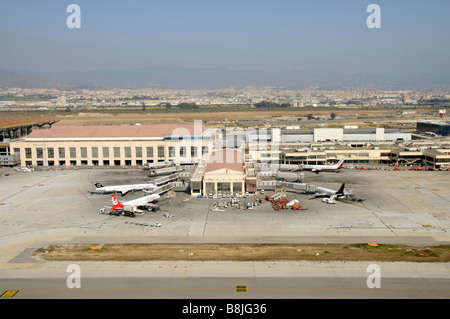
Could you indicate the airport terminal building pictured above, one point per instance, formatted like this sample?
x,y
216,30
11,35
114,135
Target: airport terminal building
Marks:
x,y
113,145
343,134
223,172
136,145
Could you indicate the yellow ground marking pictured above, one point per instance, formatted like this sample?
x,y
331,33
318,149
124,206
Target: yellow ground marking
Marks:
x,y
9,293
240,288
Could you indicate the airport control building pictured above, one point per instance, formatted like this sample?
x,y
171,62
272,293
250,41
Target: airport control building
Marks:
x,y
113,145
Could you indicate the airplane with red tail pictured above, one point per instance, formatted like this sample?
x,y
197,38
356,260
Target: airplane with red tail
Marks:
x,y
320,168
130,207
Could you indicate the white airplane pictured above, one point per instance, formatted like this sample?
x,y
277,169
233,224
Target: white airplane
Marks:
x,y
320,168
123,189
326,192
132,206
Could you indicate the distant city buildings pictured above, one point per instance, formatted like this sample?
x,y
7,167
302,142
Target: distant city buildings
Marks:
x,y
18,98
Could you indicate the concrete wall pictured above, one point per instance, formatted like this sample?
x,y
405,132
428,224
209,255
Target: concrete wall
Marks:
x,y
323,134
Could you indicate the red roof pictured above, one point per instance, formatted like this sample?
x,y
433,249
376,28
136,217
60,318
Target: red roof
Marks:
x,y
111,131
226,159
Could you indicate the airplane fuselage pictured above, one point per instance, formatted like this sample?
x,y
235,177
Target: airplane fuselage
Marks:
x,y
321,168
326,192
125,188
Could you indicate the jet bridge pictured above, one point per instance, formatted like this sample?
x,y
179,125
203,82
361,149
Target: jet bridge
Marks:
x,y
163,171
160,189
296,187
164,179
288,176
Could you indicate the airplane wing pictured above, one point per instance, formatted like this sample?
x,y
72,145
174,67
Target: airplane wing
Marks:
x,y
142,201
137,202
321,194
124,191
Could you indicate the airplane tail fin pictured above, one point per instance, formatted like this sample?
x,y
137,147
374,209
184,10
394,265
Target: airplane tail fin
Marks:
x,y
116,203
341,190
97,184
341,163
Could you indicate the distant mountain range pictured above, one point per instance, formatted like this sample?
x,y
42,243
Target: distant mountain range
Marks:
x,y
174,77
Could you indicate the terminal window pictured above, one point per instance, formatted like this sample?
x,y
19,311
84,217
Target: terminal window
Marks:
x,y
105,152
83,151
193,151
237,187
160,151
61,152
117,152
39,152
127,151
28,152
183,151
172,151
209,187
73,152
94,151
223,187
138,151
149,151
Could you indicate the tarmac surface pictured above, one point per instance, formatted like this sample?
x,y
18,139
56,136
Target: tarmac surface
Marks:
x,y
41,208
218,280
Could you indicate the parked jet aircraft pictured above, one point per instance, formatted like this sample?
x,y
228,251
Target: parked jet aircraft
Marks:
x,y
123,189
326,192
132,206
320,168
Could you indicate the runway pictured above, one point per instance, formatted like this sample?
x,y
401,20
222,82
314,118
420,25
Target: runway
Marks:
x,y
224,288
218,280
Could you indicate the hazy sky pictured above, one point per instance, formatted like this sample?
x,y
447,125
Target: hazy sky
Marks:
x,y
238,34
